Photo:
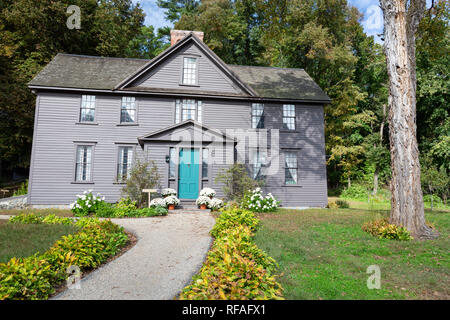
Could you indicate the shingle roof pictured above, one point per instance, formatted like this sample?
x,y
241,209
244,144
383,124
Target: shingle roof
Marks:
x,y
103,73
280,83
87,72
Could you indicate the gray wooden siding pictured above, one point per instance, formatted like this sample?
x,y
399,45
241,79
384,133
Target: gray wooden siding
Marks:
x,y
57,131
168,74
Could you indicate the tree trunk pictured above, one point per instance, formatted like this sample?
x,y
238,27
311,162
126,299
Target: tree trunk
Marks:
x,y
349,183
400,25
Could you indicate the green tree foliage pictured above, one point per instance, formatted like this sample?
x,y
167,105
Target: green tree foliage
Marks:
x,y
148,44
31,34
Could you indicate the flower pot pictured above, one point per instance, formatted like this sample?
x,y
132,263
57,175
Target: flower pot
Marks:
x,y
203,206
171,206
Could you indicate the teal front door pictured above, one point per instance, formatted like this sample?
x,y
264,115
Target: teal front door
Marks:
x,y
188,174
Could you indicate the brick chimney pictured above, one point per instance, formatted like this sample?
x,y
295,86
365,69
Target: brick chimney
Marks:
x,y
177,35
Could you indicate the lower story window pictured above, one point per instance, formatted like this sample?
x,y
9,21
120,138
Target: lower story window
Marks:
x,y
124,163
290,167
172,153
84,163
205,154
258,162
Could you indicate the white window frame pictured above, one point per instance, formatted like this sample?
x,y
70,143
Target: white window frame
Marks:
x,y
180,108
189,74
289,117
128,104
257,115
88,102
291,167
88,162
120,162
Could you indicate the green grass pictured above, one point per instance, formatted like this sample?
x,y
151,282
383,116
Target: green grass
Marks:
x,y
42,212
324,254
23,240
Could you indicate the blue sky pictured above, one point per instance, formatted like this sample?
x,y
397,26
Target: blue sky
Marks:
x,y
372,21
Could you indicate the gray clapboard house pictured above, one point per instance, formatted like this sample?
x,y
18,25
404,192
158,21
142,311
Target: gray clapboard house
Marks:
x,y
185,109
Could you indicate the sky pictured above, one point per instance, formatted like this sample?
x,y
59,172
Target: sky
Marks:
x,y
372,20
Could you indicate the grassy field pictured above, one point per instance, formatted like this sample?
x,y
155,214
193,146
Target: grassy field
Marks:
x,y
324,254
22,240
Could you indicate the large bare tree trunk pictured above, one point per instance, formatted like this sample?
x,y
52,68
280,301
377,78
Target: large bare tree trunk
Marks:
x,y
400,24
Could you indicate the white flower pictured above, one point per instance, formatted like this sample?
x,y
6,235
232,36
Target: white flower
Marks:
x,y
216,203
203,200
168,192
103,198
172,200
207,192
157,202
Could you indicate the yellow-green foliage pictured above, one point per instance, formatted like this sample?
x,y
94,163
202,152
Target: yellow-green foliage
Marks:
x,y
235,269
382,229
35,277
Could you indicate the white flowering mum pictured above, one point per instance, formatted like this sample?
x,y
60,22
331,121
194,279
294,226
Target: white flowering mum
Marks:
x,y
207,192
158,202
255,201
215,203
203,200
171,200
168,192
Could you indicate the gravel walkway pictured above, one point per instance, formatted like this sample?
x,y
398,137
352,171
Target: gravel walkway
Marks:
x,y
168,252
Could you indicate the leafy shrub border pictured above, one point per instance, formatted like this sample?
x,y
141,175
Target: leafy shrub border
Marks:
x,y
235,267
384,230
36,277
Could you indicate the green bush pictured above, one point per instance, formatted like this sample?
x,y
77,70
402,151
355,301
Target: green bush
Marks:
x,y
87,204
382,229
149,212
124,207
436,199
235,267
26,218
342,204
105,210
23,189
35,277
356,191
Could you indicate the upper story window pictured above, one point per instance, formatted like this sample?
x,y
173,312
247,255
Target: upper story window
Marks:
x,y
83,163
290,167
186,109
128,110
124,163
189,70
289,116
87,112
257,115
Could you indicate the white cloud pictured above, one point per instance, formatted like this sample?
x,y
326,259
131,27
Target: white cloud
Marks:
x,y
154,15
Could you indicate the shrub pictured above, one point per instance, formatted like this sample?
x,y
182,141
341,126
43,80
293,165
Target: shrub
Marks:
x,y
54,219
236,182
149,212
382,229
143,175
124,207
332,205
35,277
26,218
235,267
255,201
86,204
342,204
356,191
23,189
105,210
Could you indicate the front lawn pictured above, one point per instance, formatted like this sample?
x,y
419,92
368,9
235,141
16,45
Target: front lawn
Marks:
x,y
41,212
23,240
324,254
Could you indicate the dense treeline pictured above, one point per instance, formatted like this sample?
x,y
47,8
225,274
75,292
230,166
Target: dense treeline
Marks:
x,y
325,37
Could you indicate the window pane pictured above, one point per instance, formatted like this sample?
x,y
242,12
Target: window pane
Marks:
x,y
177,111
87,112
259,159
289,116
188,109
124,163
189,70
83,164
199,111
291,167
257,116
205,163
128,109
172,163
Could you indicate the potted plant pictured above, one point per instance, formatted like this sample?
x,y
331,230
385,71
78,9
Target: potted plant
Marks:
x,y
168,192
171,201
202,202
208,192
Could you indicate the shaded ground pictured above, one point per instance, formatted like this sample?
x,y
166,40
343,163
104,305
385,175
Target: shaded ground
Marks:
x,y
324,254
